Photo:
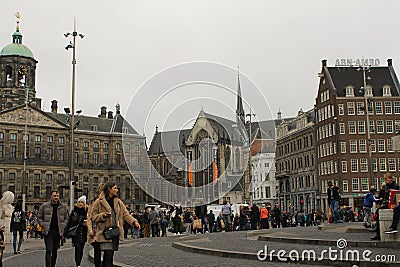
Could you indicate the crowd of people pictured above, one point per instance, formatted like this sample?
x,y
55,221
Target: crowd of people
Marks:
x,y
106,220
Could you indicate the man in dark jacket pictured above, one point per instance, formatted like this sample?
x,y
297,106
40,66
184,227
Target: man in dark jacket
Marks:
x,y
254,216
154,218
211,221
390,184
333,201
53,218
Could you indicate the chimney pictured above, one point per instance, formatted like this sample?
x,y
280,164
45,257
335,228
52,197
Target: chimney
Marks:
x,y
279,115
389,61
103,112
324,63
117,109
54,106
110,115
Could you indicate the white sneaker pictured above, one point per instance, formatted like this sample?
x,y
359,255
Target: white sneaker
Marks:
x,y
179,233
175,234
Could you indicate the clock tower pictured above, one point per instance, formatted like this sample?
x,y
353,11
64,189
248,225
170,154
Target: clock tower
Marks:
x,y
17,74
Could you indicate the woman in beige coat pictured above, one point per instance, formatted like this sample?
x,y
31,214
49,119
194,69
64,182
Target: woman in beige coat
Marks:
x,y
101,214
92,227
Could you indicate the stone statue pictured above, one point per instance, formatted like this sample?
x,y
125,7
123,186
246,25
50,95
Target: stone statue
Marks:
x,y
6,207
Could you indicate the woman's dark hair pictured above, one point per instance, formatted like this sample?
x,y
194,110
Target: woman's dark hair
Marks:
x,y
107,187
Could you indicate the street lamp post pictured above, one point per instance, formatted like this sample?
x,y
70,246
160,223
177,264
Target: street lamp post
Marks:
x,y
366,108
24,180
251,184
72,45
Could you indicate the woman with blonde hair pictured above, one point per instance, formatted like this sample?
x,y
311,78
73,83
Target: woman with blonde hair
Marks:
x,y
92,228
109,212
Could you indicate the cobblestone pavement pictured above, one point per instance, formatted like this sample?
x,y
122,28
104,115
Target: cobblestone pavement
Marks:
x,y
134,252
240,242
159,251
33,255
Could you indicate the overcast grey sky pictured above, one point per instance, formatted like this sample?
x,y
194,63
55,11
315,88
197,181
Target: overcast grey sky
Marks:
x,y
278,45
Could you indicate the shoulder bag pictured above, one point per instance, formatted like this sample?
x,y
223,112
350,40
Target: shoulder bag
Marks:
x,y
112,231
72,232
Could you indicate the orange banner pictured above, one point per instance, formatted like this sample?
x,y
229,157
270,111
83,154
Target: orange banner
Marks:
x,y
190,175
215,171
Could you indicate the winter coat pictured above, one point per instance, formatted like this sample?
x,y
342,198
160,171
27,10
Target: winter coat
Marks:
x,y
264,213
18,221
101,205
91,226
254,213
77,216
369,200
154,217
44,217
333,194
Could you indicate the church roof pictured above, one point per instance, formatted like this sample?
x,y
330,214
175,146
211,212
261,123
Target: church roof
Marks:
x,y
168,141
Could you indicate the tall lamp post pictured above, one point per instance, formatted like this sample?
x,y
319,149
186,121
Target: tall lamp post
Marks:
x,y
250,165
24,180
366,108
72,45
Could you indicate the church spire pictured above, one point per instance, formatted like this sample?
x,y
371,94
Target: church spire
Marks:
x,y
239,104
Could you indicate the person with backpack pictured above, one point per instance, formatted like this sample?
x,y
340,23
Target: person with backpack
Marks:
x,y
18,226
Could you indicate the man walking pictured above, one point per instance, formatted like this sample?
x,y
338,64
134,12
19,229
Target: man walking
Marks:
x,y
226,213
333,201
254,216
154,218
211,221
53,218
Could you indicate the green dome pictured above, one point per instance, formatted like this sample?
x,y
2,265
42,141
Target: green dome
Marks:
x,y
16,50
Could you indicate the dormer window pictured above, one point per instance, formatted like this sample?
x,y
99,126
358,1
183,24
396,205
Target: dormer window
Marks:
x,y
387,91
94,128
349,91
125,130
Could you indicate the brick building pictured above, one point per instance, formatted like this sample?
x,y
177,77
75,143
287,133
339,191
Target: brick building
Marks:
x,y
354,146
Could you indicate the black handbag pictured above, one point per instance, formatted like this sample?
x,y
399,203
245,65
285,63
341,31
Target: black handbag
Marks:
x,y
72,232
112,231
